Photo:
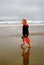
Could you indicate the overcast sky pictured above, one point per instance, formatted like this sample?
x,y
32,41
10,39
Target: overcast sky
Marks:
x,y
29,9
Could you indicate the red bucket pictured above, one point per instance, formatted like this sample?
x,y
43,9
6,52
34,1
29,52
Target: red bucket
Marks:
x,y
27,40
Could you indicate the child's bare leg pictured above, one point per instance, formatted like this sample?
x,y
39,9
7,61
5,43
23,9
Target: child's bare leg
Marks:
x,y
29,46
23,41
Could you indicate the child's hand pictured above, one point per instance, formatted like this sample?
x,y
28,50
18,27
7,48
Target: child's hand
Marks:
x,y
26,35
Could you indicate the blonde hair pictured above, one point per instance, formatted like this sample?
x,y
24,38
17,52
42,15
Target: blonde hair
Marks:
x,y
25,20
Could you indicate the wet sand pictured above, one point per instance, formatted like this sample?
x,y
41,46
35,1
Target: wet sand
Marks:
x,y
11,52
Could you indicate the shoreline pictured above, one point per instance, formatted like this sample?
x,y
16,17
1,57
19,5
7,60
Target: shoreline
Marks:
x,y
12,36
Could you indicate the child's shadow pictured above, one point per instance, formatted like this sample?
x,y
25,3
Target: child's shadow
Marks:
x,y
25,55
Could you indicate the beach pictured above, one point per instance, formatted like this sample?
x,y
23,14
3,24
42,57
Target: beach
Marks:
x,y
10,45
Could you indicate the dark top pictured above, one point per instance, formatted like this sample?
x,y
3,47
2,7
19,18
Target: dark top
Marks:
x,y
25,30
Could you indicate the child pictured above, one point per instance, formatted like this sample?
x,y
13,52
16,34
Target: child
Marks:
x,y
25,33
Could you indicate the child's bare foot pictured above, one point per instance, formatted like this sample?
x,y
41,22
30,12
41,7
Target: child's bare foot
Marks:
x,y
29,46
22,44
